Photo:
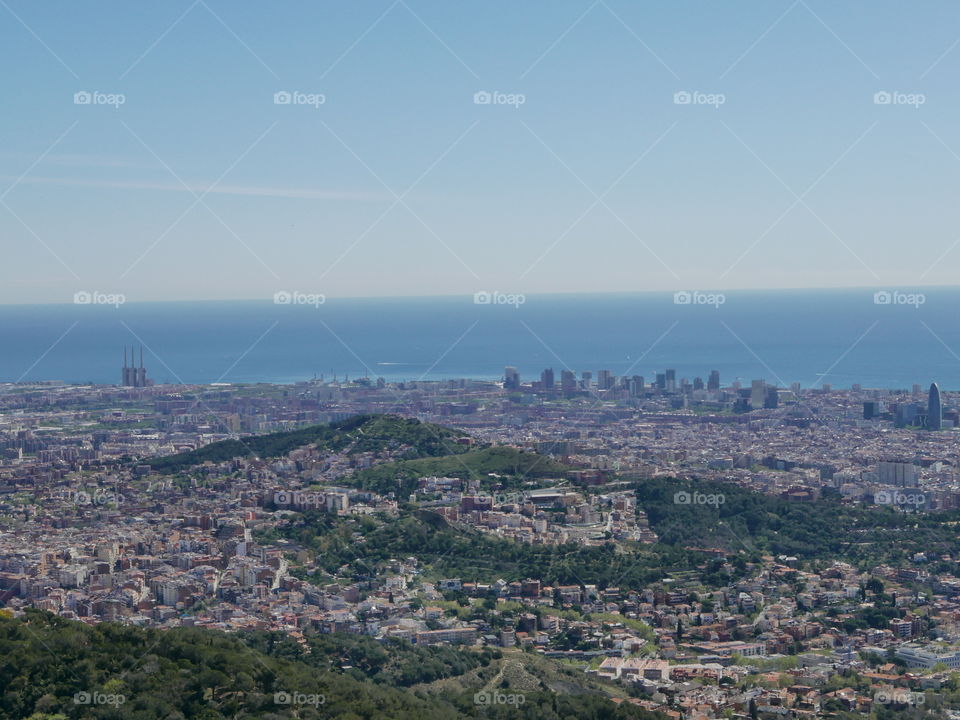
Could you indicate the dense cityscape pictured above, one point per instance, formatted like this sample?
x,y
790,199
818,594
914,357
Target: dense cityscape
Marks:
x,y
118,506
430,360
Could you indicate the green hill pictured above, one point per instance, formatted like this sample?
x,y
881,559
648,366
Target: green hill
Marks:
x,y
55,669
362,433
446,551
512,464
755,523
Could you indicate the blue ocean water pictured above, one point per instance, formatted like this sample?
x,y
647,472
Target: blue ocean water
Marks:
x,y
840,337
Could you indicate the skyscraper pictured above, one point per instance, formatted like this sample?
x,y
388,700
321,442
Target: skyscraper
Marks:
x,y
714,382
934,409
511,378
546,377
604,379
772,399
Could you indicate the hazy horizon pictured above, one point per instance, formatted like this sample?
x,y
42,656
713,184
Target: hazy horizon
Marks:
x,y
558,294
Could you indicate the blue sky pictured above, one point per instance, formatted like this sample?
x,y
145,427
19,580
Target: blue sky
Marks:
x,y
200,186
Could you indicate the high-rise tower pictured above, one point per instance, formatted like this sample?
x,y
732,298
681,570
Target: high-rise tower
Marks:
x,y
714,382
546,377
934,409
604,380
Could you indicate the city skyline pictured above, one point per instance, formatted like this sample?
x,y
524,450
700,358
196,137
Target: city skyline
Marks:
x,y
876,338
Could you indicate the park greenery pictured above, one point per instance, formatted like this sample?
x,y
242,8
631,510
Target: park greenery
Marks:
x,y
358,434
52,668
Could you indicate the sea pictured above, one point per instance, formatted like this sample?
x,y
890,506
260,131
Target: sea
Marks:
x,y
874,337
